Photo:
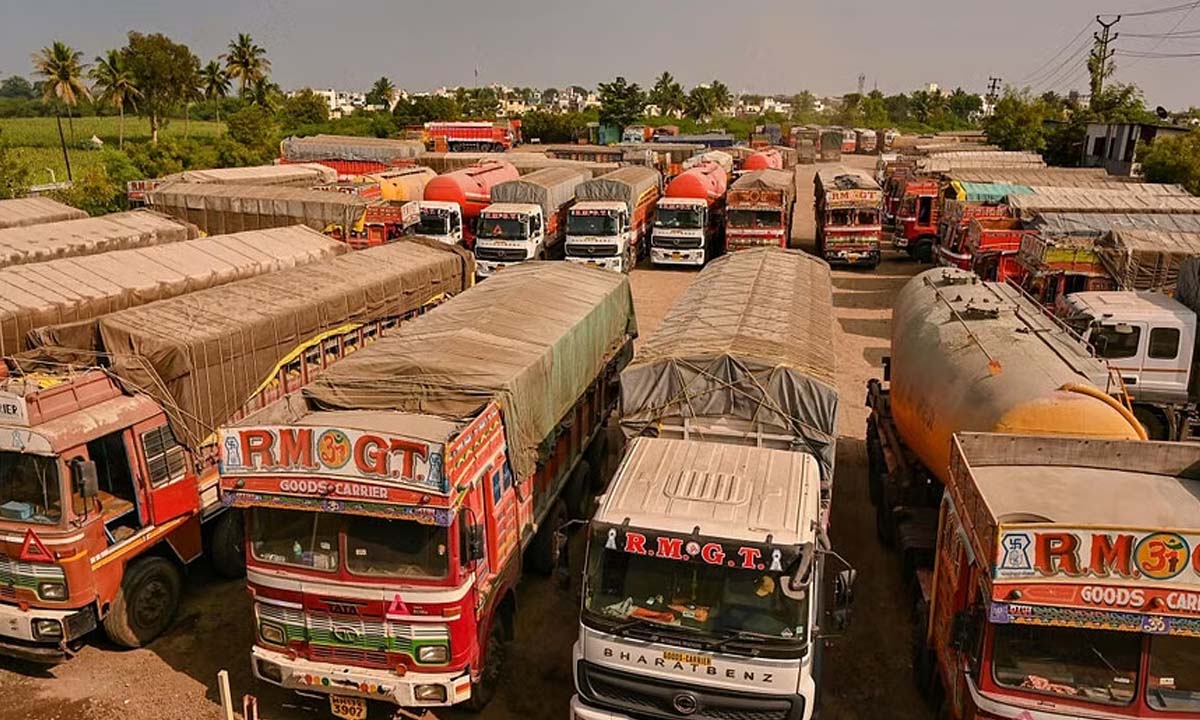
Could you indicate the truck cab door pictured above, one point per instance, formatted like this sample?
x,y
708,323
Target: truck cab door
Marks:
x,y
166,469
1167,362
456,226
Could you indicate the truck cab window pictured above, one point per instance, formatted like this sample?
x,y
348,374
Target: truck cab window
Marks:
x,y
1164,343
165,459
1116,342
925,210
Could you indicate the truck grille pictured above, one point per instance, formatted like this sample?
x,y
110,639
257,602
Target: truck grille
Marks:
x,y
675,243
499,254
348,638
591,251
649,697
359,658
14,574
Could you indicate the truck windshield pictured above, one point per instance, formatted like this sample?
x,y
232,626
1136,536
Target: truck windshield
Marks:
x,y
1173,676
1099,666
360,545
29,490
678,219
434,224
714,601
754,219
591,225
502,229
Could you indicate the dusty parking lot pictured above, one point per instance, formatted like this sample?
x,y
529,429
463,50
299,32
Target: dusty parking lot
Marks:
x,y
867,672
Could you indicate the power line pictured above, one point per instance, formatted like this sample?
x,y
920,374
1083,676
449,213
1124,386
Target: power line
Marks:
x,y
1155,55
1101,55
1181,34
1077,55
1174,27
1069,67
1056,55
1161,11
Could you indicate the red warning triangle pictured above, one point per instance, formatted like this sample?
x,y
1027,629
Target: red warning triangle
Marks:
x,y
398,606
32,550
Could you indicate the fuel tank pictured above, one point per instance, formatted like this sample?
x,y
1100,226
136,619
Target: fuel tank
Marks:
x,y
969,355
706,181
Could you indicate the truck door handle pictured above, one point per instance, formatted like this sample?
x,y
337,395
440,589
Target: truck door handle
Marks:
x,y
1129,380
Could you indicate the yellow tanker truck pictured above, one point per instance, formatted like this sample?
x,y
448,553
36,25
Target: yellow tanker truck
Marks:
x,y
968,355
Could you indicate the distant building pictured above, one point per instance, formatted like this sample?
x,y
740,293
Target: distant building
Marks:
x,y
1116,146
340,102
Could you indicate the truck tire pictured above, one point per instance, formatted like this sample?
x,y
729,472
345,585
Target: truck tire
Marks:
x,y
924,659
227,544
146,602
1153,422
494,655
923,252
544,552
578,493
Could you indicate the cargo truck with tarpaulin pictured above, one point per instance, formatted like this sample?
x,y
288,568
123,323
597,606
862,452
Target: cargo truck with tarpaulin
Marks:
x,y
107,436
303,175
758,210
1067,581
849,209
351,155
90,236
831,145
21,212
689,220
807,142
220,209
526,220
609,224
403,494
736,394
451,203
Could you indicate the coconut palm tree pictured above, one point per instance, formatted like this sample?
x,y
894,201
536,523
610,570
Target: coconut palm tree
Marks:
x,y
264,93
246,61
722,98
113,85
214,84
381,93
62,72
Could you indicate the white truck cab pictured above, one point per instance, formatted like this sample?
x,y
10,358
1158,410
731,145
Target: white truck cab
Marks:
x,y
600,233
508,234
680,236
703,585
441,221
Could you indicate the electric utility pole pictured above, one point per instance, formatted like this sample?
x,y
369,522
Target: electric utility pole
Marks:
x,y
1101,56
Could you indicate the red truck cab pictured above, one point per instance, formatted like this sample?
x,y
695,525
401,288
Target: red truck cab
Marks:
x,y
917,218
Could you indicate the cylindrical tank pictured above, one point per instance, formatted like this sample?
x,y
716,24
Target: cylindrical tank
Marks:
x,y
768,159
404,184
706,181
470,187
977,356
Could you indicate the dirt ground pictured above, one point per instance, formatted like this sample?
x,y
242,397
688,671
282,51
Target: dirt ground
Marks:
x,y
867,674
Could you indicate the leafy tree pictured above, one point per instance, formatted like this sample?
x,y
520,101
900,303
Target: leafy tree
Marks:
x,y
381,93
246,61
1174,160
303,108
899,108
722,98
419,110
1017,122
17,87
552,127
94,192
16,175
113,84
214,84
700,104
166,73
963,105
667,94
477,103
621,102
62,80
550,96
264,93
255,130
804,104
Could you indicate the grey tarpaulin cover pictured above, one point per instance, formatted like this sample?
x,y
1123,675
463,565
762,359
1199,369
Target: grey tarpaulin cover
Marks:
x,y
218,209
533,338
19,212
551,188
89,236
294,174
626,185
1085,200
748,345
772,180
349,147
81,288
203,355
1096,224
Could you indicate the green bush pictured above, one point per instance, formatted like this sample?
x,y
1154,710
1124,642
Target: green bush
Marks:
x,y
1174,160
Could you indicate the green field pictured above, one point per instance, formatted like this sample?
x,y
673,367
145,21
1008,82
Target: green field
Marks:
x,y
42,132
43,159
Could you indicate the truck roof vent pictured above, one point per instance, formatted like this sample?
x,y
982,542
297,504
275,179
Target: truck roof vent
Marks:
x,y
721,488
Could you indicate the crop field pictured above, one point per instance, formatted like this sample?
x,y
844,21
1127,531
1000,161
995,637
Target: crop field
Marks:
x,y
42,132
47,162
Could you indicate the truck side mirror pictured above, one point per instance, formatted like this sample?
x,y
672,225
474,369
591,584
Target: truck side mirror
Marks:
x,y
475,550
843,589
84,477
962,629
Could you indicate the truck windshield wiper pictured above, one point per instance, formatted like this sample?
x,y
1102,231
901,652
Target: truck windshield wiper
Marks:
x,y
747,635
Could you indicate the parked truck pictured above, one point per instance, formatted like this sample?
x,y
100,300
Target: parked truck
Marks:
x,y
765,159
689,221
23,212
831,145
288,174
807,143
29,244
968,355
351,155
527,219
758,210
394,505
723,576
452,202
848,206
121,421
609,224
467,136
1067,581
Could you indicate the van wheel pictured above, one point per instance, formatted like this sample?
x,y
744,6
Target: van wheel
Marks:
x,y
145,604
544,552
228,544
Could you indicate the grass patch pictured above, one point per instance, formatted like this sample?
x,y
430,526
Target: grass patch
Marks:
x,y
43,160
43,132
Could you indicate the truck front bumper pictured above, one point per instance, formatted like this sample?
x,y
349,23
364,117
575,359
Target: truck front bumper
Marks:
x,y
314,677
487,268
852,257
19,639
580,711
664,256
611,262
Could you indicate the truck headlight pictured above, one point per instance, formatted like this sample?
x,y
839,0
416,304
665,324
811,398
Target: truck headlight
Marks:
x,y
429,693
271,633
55,590
44,629
269,671
433,654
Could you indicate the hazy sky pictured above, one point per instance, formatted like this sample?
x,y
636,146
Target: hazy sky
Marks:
x,y
754,46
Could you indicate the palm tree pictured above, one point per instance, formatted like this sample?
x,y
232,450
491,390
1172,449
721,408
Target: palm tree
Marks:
x,y
214,84
668,95
262,93
722,99
246,61
113,84
381,92
700,103
62,72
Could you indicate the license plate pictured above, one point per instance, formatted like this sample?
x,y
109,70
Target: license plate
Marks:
x,y
349,708
676,256
853,257
687,658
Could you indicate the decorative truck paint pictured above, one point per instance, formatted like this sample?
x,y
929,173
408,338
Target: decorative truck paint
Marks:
x,y
758,210
849,206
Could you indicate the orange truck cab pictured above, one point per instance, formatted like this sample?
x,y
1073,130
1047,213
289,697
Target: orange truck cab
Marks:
x,y
1065,600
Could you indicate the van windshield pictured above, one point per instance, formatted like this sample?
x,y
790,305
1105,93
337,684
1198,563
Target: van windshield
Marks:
x,y
29,488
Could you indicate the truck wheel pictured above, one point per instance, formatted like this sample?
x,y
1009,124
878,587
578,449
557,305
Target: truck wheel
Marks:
x,y
227,544
494,654
146,602
543,552
923,253
577,494
1153,422
924,662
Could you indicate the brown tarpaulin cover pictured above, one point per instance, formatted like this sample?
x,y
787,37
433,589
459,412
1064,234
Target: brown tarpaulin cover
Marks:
x,y
70,290
89,236
203,355
20,212
220,209
1147,259
1085,200
349,147
533,338
771,180
750,340
294,174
